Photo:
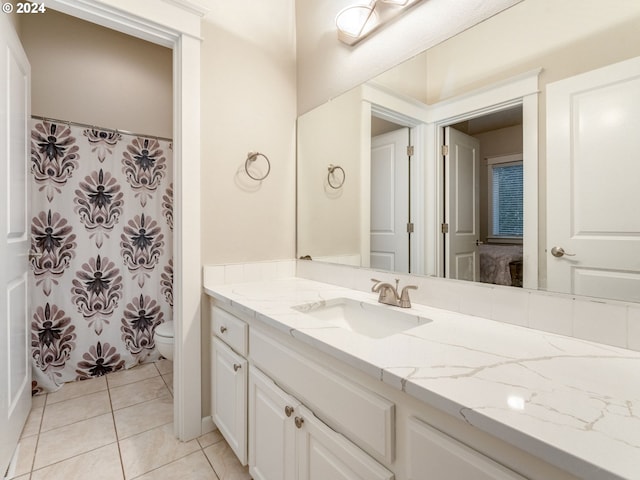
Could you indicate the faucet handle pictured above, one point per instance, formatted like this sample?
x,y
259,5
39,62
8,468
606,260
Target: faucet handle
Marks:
x,y
405,302
375,284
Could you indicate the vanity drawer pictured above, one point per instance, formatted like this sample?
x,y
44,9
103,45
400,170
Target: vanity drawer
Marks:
x,y
445,458
358,413
230,329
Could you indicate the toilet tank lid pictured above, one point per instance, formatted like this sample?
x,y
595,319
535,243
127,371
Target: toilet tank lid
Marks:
x,y
165,329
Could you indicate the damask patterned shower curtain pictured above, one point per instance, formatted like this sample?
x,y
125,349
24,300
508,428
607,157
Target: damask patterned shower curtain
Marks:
x,y
101,244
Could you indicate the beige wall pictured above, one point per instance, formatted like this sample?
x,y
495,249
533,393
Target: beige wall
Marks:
x,y
329,219
86,73
248,104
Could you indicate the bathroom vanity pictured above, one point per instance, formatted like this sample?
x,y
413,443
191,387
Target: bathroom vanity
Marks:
x,y
316,381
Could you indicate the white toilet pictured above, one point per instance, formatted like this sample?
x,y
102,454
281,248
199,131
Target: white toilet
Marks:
x,y
164,339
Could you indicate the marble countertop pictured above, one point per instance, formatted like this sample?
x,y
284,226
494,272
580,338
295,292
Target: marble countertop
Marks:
x,y
570,402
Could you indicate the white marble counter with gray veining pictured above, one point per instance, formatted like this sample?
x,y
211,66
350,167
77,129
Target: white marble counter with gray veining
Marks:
x,y
572,403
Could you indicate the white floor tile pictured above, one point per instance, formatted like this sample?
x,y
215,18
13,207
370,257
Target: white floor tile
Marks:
x,y
121,424
32,426
210,438
225,463
100,464
153,449
134,393
194,467
26,452
77,389
75,410
123,377
75,439
164,366
143,416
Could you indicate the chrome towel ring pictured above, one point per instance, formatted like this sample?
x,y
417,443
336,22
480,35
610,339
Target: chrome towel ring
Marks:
x,y
252,157
331,174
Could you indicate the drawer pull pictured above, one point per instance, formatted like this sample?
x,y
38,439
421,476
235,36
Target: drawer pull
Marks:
x,y
288,410
223,329
236,367
299,421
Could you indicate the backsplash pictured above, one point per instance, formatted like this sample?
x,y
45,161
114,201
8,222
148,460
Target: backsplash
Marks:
x,y
248,272
605,321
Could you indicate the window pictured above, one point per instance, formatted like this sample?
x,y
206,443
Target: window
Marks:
x,y
505,197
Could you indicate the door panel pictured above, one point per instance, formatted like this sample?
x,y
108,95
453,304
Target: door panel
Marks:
x,y
593,172
390,201
229,397
325,454
271,431
462,209
15,373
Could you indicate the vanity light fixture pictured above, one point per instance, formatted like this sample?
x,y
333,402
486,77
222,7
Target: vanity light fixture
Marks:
x,y
356,22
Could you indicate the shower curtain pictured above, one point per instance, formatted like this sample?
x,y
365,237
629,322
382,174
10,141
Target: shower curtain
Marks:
x,y
101,250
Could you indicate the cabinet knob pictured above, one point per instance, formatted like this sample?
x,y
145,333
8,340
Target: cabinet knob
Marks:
x,y
236,367
288,410
299,421
223,329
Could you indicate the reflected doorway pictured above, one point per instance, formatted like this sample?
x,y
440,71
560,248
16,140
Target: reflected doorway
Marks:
x,y
483,185
391,224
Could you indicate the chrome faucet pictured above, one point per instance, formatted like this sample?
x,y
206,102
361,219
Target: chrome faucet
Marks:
x,y
389,293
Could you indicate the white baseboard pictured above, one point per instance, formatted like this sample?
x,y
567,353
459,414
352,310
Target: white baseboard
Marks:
x,y
208,425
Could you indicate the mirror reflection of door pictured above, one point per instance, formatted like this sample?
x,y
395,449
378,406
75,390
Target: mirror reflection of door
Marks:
x,y
593,236
390,198
483,205
462,182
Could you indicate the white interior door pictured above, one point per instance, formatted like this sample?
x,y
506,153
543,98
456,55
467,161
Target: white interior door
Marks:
x,y
593,182
15,372
390,201
462,206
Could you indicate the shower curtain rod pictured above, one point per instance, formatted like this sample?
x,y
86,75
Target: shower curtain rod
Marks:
x,y
79,124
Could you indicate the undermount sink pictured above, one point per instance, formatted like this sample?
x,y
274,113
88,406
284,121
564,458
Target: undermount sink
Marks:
x,y
371,320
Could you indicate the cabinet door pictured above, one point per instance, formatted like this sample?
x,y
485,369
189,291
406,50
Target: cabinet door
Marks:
x,y
272,454
229,397
434,455
324,454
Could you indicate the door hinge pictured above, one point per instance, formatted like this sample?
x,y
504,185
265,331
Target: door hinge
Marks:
x,y
445,150
445,228
409,227
409,150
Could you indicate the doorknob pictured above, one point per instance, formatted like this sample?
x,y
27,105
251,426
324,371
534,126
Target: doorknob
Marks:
x,y
478,243
559,252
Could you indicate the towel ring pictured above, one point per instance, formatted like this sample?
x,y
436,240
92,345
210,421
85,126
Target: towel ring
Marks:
x,y
332,169
252,157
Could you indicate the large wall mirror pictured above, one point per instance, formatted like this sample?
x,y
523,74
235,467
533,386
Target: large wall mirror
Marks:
x,y
504,155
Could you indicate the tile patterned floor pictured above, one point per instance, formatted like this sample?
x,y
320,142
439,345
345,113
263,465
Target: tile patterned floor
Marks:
x,y
118,427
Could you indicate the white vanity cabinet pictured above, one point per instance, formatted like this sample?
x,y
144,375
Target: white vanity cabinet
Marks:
x,y
435,455
290,413
287,441
229,379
